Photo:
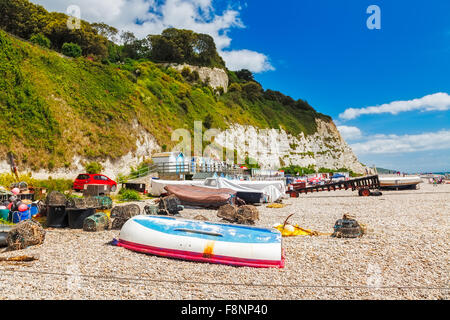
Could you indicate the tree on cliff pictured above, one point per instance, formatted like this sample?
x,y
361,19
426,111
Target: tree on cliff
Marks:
x,y
22,18
245,75
25,19
185,46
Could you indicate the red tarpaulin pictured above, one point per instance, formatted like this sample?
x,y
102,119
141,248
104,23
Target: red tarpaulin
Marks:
x,y
202,197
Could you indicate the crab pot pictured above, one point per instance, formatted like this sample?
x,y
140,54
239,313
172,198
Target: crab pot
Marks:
x,y
97,222
77,217
57,217
151,210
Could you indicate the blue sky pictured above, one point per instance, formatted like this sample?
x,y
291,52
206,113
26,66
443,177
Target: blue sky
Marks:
x,y
322,51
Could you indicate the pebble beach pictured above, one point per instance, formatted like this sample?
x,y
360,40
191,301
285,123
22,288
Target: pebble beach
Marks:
x,y
404,255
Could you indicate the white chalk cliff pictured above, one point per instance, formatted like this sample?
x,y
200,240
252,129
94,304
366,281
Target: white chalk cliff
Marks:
x,y
275,148
216,77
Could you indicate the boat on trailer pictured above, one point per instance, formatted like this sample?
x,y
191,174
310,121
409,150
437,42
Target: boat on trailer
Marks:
x,y
411,182
235,245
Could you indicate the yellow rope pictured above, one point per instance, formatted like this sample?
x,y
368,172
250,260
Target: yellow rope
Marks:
x,y
292,231
276,205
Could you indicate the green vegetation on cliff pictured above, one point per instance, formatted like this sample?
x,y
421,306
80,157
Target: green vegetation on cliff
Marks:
x,y
54,108
96,103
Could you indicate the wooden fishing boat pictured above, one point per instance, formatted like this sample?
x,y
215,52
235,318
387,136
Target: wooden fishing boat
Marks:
x,y
201,241
410,182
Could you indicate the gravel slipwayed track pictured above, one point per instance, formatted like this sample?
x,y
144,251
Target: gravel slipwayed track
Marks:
x,y
403,256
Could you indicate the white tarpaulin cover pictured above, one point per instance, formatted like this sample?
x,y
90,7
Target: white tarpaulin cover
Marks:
x,y
272,190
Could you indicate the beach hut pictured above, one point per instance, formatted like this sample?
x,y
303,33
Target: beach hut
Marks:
x,y
170,162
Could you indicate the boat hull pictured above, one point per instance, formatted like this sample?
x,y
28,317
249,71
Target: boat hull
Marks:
x,y
201,196
399,182
203,242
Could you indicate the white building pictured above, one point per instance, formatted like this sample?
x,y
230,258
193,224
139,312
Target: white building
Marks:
x,y
176,162
170,162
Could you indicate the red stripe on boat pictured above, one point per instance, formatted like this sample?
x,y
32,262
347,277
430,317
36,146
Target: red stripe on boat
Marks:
x,y
199,257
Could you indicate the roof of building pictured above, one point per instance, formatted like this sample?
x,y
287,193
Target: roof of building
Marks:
x,y
166,154
203,175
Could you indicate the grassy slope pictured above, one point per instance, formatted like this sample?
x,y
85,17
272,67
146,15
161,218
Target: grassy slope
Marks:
x,y
54,108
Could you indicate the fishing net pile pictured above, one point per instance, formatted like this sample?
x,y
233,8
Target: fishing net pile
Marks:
x,y
121,214
25,234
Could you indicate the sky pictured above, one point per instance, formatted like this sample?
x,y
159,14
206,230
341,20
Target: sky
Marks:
x,y
386,88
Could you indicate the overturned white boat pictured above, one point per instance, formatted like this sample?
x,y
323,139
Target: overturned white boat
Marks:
x,y
201,241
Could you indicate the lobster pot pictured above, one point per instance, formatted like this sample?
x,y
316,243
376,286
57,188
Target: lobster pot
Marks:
x,y
57,217
55,199
170,205
5,196
104,202
26,196
77,217
95,190
96,222
151,210
347,228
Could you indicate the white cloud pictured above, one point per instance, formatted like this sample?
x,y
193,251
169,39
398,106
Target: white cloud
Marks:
x,y
389,144
434,102
155,16
350,133
246,59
